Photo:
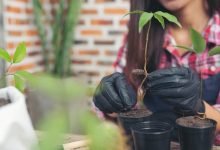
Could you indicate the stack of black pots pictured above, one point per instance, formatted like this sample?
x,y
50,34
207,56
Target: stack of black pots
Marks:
x,y
155,131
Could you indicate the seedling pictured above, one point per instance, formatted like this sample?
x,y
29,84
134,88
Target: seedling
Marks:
x,y
18,56
145,19
199,44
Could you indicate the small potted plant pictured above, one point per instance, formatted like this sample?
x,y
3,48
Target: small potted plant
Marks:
x,y
16,127
197,132
128,119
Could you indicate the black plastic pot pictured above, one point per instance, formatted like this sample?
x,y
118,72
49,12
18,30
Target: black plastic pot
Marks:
x,y
152,135
127,121
196,137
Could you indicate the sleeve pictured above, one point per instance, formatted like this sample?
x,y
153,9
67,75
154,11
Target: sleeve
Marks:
x,y
120,62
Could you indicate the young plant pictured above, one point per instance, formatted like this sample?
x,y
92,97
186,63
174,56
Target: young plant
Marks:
x,y
18,56
145,19
199,44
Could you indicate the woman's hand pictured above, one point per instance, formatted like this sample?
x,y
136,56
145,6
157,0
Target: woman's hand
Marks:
x,y
179,87
114,94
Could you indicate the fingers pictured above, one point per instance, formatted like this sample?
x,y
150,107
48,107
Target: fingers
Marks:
x,y
126,92
112,94
102,103
109,92
179,71
174,81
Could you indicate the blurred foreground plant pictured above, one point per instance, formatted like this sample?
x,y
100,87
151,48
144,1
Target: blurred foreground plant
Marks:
x,y
101,136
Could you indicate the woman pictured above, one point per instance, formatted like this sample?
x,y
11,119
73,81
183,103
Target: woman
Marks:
x,y
172,82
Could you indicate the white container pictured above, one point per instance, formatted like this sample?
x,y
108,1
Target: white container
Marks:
x,y
16,130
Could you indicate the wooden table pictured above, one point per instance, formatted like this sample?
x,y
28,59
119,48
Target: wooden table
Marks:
x,y
79,142
175,146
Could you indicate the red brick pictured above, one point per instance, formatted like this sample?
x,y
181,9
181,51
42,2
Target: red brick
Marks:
x,y
104,42
34,53
123,22
13,9
116,11
79,42
34,43
110,53
81,22
25,1
10,45
105,63
88,52
32,32
18,21
82,62
29,10
15,33
89,11
91,32
101,22
21,67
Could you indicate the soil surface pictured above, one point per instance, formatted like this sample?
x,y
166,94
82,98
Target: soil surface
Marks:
x,y
194,122
3,102
138,113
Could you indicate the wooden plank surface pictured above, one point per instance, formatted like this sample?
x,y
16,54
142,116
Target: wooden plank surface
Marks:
x,y
176,146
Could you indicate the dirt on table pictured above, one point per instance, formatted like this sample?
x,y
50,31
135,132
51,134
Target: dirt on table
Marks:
x,y
3,102
194,122
138,113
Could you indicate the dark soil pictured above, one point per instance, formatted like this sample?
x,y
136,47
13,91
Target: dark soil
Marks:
x,y
3,102
138,113
194,122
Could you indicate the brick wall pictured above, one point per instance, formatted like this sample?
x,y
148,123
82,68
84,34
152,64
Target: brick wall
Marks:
x,y
98,35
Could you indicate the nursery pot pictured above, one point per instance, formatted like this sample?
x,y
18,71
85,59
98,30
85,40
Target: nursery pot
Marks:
x,y
128,119
195,133
152,135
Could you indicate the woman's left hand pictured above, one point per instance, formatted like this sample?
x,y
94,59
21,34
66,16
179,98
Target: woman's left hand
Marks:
x,y
180,87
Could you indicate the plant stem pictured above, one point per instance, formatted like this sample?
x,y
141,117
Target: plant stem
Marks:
x,y
141,92
9,67
146,48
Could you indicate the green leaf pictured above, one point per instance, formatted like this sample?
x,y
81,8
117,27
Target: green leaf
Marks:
x,y
5,55
160,19
20,53
24,75
198,41
19,83
184,47
169,17
54,127
71,89
144,19
214,51
134,12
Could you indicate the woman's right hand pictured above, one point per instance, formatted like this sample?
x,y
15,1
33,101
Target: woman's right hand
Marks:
x,y
114,94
